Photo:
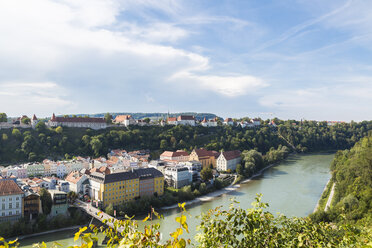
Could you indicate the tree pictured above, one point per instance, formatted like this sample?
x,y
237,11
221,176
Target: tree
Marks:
x,y
240,169
5,136
40,127
147,120
206,174
26,120
3,117
108,118
110,209
163,144
46,201
96,145
59,130
16,133
72,196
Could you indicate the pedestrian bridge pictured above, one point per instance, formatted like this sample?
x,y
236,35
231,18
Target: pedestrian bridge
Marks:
x,y
97,214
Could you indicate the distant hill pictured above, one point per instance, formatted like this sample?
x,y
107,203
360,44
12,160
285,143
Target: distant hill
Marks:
x,y
198,116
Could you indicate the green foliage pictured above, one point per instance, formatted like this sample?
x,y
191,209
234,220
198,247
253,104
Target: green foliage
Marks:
x,y
46,201
55,143
351,173
109,210
41,127
234,227
3,117
59,129
108,118
206,174
26,120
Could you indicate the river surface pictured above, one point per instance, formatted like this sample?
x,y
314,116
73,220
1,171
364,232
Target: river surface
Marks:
x,y
292,187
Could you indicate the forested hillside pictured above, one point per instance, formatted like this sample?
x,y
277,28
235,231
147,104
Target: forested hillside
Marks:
x,y
352,175
35,145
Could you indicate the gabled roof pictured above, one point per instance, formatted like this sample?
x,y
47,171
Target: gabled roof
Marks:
x,y
178,153
78,119
231,154
34,117
228,120
121,118
172,119
186,118
204,153
9,187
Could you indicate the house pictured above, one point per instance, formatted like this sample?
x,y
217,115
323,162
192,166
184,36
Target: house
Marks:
x,y
209,123
186,120
204,123
35,169
256,122
63,185
243,124
34,121
11,201
125,120
59,203
205,157
121,187
228,160
81,122
177,176
31,204
228,121
76,180
172,121
178,156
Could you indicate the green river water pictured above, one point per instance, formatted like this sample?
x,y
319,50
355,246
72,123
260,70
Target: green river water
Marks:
x,y
292,187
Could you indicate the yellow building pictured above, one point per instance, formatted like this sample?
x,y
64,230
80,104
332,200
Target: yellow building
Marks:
x,y
117,188
205,157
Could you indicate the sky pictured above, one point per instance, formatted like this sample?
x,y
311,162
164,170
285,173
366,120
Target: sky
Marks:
x,y
293,59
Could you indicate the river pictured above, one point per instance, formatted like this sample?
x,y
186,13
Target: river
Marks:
x,y
293,188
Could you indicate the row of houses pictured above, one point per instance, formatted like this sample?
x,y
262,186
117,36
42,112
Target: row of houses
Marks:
x,y
18,201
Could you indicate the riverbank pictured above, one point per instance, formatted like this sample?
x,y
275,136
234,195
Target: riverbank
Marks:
x,y
32,235
217,193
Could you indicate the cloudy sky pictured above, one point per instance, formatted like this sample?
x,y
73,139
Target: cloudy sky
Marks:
x,y
290,59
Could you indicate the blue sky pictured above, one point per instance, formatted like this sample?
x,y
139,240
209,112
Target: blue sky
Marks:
x,y
290,59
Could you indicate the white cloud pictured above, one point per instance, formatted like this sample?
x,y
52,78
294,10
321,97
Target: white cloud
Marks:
x,y
230,86
323,103
29,97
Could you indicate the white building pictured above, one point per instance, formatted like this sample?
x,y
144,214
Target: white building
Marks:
x,y
35,169
172,121
125,120
177,176
228,160
228,121
83,122
76,179
186,120
209,123
34,121
179,156
256,122
10,201
61,170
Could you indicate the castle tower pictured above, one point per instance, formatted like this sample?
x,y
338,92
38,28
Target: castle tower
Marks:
x,y
34,121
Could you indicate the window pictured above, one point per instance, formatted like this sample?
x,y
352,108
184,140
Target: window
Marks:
x,y
10,205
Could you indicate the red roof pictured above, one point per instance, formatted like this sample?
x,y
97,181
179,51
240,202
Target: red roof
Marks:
x,y
178,153
120,118
172,118
185,118
205,153
228,120
9,187
231,154
34,117
78,119
204,120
